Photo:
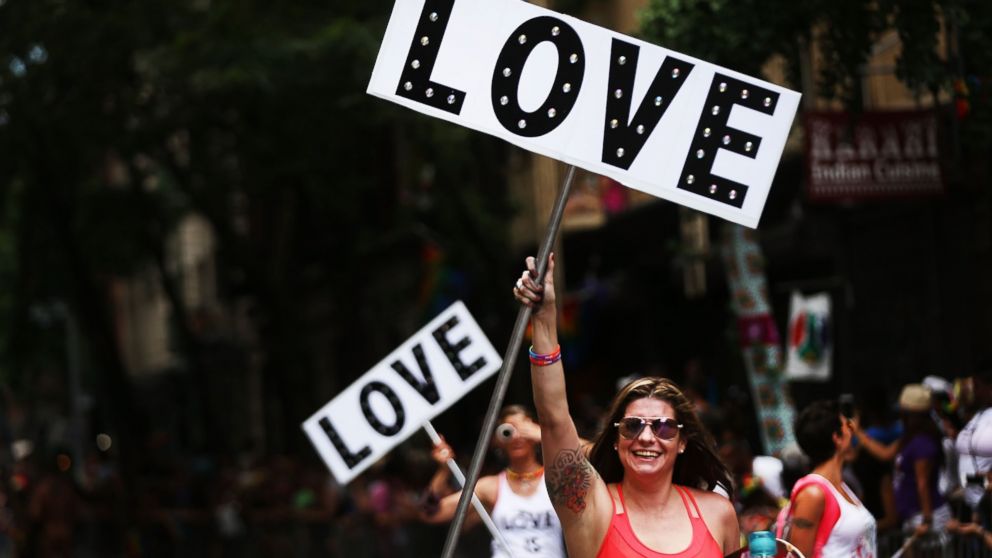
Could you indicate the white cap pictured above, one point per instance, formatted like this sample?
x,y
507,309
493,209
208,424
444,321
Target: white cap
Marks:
x,y
938,384
22,449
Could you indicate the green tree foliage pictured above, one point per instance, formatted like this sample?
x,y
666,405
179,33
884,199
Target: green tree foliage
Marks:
x,y
743,35
116,120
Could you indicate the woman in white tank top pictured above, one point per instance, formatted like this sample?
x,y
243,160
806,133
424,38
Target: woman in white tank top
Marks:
x,y
516,499
854,533
826,519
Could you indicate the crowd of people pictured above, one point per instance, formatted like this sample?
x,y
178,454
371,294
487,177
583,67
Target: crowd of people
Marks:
x,y
215,507
938,452
662,474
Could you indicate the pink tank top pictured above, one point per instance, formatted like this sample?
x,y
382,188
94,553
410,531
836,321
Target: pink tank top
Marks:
x,y
621,542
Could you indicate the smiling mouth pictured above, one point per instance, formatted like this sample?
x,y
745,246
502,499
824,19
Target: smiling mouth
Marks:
x,y
645,454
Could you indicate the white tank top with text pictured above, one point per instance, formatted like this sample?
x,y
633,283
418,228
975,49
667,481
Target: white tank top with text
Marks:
x,y
528,524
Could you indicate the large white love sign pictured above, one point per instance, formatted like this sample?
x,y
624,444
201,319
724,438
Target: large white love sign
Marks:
x,y
662,122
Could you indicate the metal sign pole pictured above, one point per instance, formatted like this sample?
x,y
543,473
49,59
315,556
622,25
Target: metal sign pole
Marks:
x,y
503,379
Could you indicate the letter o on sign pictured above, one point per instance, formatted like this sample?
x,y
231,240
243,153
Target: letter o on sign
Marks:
x,y
568,79
394,401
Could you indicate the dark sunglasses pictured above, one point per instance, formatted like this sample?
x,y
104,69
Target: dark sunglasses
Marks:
x,y
662,427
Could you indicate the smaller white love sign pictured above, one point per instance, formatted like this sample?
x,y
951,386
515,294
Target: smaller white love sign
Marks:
x,y
417,381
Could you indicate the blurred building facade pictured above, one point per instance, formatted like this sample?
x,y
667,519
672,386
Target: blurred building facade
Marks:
x,y
214,396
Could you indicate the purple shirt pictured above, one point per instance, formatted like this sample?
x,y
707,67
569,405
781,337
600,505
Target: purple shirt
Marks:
x,y
918,447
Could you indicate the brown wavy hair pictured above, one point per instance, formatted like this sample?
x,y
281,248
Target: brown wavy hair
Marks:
x,y
699,466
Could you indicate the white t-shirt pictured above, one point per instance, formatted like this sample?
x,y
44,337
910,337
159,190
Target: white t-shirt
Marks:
x,y
974,445
528,524
853,536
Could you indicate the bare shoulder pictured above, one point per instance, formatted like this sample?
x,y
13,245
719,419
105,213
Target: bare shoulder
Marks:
x,y
809,505
712,504
720,518
811,495
487,489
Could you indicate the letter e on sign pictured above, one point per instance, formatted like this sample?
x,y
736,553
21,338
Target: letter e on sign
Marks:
x,y
713,133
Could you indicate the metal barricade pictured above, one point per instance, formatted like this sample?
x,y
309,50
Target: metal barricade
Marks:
x,y
893,544
969,546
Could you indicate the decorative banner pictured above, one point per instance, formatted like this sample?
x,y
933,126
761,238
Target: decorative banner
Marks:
x,y
759,338
876,154
810,345
420,379
656,120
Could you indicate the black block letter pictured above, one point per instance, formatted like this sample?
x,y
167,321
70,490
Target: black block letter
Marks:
x,y
415,81
568,79
384,429
712,133
427,388
623,138
451,350
350,459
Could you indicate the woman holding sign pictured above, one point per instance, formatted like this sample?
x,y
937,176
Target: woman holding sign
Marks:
x,y
644,489
517,498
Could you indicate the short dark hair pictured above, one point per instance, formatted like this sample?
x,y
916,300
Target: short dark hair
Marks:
x,y
815,427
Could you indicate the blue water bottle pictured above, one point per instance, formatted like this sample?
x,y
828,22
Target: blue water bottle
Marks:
x,y
761,544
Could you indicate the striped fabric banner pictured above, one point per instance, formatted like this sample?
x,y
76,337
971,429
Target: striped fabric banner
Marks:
x,y
759,338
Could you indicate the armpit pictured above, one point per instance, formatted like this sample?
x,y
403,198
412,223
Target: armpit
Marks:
x,y
569,478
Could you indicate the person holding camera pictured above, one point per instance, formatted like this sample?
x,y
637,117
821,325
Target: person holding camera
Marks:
x,y
516,498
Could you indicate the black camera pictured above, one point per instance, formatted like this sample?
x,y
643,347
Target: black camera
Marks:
x,y
976,479
505,432
846,404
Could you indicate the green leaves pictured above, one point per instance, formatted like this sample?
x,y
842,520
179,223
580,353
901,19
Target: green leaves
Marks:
x,y
741,35
744,35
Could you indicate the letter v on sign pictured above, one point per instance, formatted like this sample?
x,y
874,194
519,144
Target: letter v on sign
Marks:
x,y
427,388
624,137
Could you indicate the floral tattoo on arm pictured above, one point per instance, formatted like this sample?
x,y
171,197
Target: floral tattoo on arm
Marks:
x,y
569,479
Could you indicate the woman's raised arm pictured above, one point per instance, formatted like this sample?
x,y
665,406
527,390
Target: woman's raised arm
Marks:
x,y
576,490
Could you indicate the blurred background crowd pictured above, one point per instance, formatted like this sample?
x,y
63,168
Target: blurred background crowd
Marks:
x,y
252,504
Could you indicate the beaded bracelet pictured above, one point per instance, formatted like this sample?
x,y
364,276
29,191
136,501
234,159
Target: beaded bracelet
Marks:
x,y
544,360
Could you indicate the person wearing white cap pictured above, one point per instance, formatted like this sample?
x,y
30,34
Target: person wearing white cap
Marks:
x,y
917,454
